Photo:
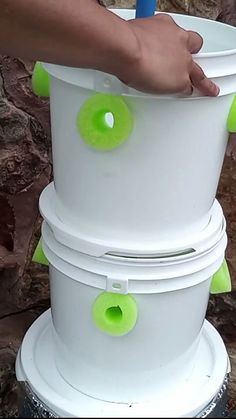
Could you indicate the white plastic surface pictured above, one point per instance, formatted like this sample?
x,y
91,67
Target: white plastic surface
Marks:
x,y
87,241
36,365
147,275
162,181
171,297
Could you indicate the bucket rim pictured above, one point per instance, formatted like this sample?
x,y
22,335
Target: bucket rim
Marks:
x,y
125,278
96,246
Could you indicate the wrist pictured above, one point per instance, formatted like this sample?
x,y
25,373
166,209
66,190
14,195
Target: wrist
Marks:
x,y
121,49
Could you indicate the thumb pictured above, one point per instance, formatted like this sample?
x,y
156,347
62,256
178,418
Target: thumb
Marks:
x,y
201,82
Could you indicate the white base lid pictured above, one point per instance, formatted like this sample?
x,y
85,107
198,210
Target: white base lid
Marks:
x,y
96,246
36,365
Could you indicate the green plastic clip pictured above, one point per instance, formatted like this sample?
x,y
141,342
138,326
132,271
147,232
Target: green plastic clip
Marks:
x,y
221,281
231,121
39,256
40,81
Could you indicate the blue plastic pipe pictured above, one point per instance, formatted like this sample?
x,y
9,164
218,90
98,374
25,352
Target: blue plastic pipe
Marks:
x,y
145,8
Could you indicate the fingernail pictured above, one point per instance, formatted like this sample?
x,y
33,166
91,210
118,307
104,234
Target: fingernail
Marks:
x,y
215,89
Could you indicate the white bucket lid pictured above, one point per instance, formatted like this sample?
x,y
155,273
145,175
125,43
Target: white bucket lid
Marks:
x,y
134,275
217,58
36,366
72,237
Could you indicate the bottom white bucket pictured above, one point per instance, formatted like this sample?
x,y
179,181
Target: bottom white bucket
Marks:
x,y
126,330
47,394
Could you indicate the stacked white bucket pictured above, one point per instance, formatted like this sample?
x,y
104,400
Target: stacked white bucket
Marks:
x,y
134,236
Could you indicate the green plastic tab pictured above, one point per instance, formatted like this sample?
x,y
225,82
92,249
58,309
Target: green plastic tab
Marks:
x,y
40,81
115,314
92,122
221,281
231,121
39,256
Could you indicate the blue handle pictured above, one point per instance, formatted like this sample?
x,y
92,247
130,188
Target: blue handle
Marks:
x,y
145,8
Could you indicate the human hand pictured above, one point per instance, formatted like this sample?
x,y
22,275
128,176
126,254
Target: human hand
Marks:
x,y
163,62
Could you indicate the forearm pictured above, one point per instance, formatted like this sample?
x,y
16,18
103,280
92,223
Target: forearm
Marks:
x,y
77,33
152,54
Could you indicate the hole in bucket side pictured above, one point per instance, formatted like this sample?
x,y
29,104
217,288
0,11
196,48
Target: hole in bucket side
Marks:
x,y
109,119
103,121
114,314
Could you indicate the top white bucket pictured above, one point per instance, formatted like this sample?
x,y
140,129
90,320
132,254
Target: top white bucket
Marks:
x,y
134,166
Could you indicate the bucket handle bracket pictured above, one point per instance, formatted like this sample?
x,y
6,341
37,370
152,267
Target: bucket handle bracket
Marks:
x,y
117,285
109,84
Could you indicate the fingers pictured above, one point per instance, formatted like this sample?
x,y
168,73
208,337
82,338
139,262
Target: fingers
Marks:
x,y
201,82
197,75
188,91
194,42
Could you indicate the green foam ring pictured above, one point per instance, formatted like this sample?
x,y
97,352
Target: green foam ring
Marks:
x,y
93,126
221,281
115,314
231,121
39,256
40,81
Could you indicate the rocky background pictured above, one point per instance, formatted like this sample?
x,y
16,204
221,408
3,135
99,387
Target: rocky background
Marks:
x,y
26,168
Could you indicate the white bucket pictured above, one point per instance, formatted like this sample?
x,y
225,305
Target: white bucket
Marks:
x,y
47,395
161,182
124,328
88,243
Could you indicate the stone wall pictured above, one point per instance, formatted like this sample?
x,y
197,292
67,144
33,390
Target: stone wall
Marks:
x,y
25,169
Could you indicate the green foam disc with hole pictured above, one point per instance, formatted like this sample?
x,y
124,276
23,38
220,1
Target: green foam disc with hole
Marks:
x,y
40,81
231,121
39,256
115,314
221,281
93,126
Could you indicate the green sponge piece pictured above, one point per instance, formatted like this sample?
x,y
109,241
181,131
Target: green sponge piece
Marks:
x,y
221,281
231,121
40,81
93,126
115,314
39,256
